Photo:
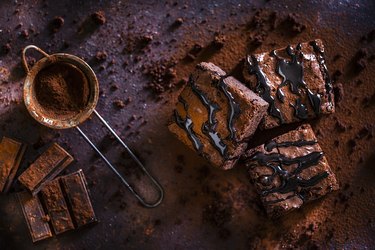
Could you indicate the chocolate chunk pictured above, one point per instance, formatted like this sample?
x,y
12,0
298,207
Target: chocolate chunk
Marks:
x,y
45,168
290,170
216,115
293,80
56,206
75,187
11,153
35,216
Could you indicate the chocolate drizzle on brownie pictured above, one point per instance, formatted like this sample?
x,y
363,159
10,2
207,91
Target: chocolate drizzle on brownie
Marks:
x,y
209,127
187,125
234,107
262,88
292,74
290,181
322,63
269,146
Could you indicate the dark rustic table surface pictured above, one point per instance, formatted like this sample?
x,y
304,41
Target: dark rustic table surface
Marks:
x,y
143,61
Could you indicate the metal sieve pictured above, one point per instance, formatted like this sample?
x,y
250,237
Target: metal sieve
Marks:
x,y
36,111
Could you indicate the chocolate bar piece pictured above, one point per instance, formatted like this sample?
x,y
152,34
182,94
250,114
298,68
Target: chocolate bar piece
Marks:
x,y
76,191
11,153
290,170
45,168
57,209
216,115
36,219
293,80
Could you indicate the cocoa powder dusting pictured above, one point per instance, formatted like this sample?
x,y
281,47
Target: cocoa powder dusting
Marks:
x,y
62,90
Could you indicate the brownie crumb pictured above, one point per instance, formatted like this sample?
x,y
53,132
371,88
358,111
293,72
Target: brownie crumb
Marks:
x,y
56,24
99,17
4,75
162,76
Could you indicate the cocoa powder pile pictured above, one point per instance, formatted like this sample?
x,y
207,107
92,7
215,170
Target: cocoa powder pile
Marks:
x,y
62,90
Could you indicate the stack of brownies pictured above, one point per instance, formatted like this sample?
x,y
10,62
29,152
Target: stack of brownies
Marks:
x,y
61,203
216,115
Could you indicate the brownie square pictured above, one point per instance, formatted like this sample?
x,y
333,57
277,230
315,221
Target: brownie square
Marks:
x,y
290,170
293,80
216,115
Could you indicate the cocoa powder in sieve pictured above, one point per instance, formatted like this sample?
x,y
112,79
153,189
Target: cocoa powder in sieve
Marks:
x,y
62,90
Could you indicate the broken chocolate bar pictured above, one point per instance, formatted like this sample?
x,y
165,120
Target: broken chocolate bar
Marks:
x,y
294,81
216,115
11,153
76,191
56,206
45,168
290,170
37,220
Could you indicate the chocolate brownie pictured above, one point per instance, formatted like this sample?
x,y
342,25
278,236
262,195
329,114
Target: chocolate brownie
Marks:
x,y
293,80
216,115
290,170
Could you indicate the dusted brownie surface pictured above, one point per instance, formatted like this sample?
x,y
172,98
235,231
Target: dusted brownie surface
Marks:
x,y
290,170
216,114
294,80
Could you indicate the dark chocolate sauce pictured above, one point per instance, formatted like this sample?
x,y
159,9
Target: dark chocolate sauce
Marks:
x,y
292,74
209,127
300,110
234,107
269,146
187,125
262,88
290,180
323,66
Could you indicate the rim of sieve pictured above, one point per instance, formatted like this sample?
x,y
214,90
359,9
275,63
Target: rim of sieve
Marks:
x,y
29,96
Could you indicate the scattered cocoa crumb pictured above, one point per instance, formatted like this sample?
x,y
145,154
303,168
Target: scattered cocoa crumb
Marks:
x,y
99,17
56,24
219,41
179,21
366,131
6,48
338,90
352,144
336,75
293,22
101,56
4,75
340,127
114,87
25,34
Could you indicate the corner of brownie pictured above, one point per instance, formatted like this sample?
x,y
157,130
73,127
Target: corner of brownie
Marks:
x,y
293,80
216,114
290,170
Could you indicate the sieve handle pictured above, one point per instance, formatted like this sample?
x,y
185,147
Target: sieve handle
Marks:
x,y
134,157
24,60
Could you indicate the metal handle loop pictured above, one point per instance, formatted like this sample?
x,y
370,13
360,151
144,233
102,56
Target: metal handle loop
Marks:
x,y
24,61
131,189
